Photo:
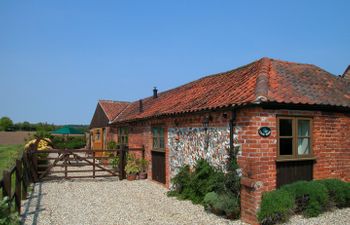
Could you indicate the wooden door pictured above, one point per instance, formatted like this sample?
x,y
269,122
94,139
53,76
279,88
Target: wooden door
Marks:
x,y
158,166
289,172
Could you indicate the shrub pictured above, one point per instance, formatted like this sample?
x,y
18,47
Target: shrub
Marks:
x,y
222,203
195,185
69,143
338,192
311,198
7,218
112,145
276,206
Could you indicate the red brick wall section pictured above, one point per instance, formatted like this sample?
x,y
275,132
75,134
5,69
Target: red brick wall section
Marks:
x,y
331,147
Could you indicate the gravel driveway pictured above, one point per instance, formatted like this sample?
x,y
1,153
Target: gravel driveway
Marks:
x,y
109,201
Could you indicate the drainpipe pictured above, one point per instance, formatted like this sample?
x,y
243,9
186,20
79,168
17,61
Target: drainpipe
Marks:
x,y
232,125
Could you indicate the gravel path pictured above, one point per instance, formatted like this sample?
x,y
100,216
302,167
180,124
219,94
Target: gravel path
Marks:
x,y
109,201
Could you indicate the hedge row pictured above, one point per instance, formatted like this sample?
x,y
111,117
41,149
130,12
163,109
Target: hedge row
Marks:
x,y
308,198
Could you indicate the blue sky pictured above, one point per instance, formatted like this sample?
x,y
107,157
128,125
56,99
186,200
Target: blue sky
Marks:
x,y
57,58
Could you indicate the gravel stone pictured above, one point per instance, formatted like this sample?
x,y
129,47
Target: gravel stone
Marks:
x,y
109,201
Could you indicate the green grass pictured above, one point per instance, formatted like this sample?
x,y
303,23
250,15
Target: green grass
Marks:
x,y
8,156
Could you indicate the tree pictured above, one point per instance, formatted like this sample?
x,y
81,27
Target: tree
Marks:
x,y
5,123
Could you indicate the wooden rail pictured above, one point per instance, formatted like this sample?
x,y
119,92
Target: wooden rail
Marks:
x,y
16,190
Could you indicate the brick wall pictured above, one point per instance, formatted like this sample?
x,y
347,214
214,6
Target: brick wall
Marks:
x,y
331,147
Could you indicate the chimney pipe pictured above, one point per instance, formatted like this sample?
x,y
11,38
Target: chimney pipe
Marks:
x,y
140,106
155,92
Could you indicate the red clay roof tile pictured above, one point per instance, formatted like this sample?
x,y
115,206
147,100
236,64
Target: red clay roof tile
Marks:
x,y
112,108
265,80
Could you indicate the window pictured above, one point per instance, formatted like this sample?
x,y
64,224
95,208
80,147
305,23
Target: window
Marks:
x,y
294,137
158,138
123,135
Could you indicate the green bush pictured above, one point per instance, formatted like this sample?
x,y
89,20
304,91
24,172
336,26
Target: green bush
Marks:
x,y
338,192
276,206
311,198
222,204
7,218
68,143
196,184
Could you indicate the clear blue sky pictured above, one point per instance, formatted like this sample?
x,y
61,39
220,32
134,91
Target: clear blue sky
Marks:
x,y
57,58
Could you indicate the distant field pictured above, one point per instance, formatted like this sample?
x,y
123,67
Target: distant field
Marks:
x,y
14,138
8,156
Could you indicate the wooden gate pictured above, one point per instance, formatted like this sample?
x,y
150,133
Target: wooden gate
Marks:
x,y
82,163
158,166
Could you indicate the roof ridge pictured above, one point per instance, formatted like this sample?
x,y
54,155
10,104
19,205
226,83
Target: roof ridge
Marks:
x,y
262,80
121,112
112,101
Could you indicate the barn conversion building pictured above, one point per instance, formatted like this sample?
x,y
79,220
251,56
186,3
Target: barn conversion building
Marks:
x,y
287,121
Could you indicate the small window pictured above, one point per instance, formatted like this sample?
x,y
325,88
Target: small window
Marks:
x,y
123,133
158,138
294,137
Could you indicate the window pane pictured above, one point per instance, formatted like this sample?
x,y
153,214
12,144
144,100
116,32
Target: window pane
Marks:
x,y
303,146
155,143
303,128
161,143
286,146
286,127
155,132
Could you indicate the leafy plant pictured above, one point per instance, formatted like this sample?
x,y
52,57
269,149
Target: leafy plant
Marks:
x,y
132,166
276,206
143,164
222,203
311,198
338,192
6,217
112,145
114,161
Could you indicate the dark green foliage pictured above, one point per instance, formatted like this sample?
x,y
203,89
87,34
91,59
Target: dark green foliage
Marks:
x,y
7,218
195,185
276,206
69,142
338,191
206,185
5,123
311,197
222,204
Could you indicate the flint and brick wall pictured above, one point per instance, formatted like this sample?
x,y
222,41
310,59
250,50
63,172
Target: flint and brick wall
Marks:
x,y
257,155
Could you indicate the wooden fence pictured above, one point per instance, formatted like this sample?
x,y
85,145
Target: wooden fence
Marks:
x,y
16,180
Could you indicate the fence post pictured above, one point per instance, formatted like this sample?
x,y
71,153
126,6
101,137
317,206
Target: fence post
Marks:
x,y
34,158
18,187
65,165
6,191
122,162
94,163
25,179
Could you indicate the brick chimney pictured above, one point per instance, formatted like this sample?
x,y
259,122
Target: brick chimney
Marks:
x,y
346,74
140,106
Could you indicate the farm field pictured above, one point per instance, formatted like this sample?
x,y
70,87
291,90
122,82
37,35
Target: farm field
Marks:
x,y
13,138
8,156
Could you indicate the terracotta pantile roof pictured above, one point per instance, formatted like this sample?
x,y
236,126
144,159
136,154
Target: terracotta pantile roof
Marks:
x,y
112,108
265,80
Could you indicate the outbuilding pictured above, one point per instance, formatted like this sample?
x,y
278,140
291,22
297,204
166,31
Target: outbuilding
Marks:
x,y
287,121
